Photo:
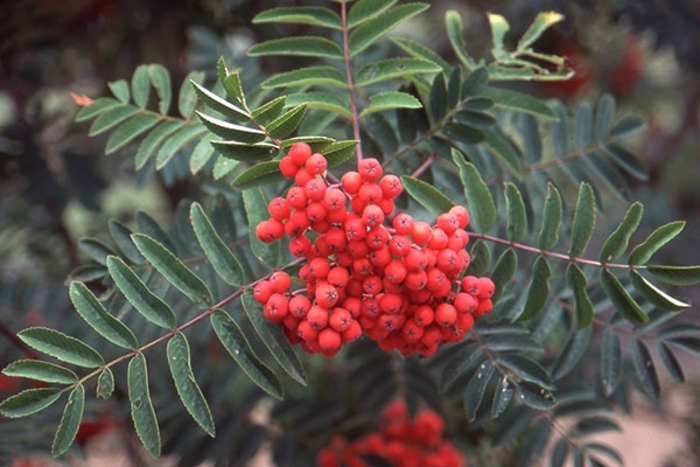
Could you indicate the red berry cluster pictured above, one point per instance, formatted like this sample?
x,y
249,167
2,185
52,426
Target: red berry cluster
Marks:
x,y
401,285
400,441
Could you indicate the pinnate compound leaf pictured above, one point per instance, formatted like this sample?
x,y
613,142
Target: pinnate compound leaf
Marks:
x,y
626,126
261,174
594,425
481,205
535,444
40,370
256,210
462,361
605,112
232,131
364,35
364,10
244,152
391,68
130,130
110,118
235,342
330,101
141,86
427,195
96,316
571,354
269,110
187,98
97,107
29,401
551,219
390,100
643,252
584,220
421,52
617,242
154,139
274,339
516,215
220,256
149,305
311,15
475,389
503,272
541,23
501,148
70,421
142,412
305,46
527,369
610,362
519,102
676,275
538,293
621,299
286,123
219,104
61,346
173,270
559,453
689,344
105,384
627,161
120,89
501,397
535,396
607,450
178,351
577,282
654,295
160,79
645,369
453,25
95,249
670,362
309,76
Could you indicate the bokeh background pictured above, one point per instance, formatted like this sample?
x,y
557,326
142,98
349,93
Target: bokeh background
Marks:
x,y
56,185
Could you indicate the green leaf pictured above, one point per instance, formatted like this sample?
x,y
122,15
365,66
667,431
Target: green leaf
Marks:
x,y
526,369
645,369
130,130
244,152
105,384
626,126
367,33
499,28
583,126
390,100
141,86
657,239
304,46
501,397
475,389
95,249
481,205
256,211
87,273
364,10
516,215
604,116
261,174
535,443
329,101
274,339
70,421
383,70
607,450
627,161
269,110
40,370
432,199
575,348
500,148
187,98
610,362
538,292
316,142
542,22
96,316
584,220
29,401
535,396
689,344
617,242
438,97
453,25
309,76
231,131
654,295
593,425
234,88
149,305
560,452
110,118
551,219
160,79
670,362
154,139
219,104
519,102
178,350
220,256
173,270
97,107
235,342
464,360
480,259
201,154
421,52
311,15
61,346
475,119
577,282
142,412
287,122
676,275
621,299
503,272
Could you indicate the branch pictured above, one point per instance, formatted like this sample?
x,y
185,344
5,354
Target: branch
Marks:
x,y
349,78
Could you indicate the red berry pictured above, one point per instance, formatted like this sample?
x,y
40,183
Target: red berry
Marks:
x,y
372,216
280,281
329,340
299,153
326,295
370,169
445,314
390,303
303,177
299,306
334,199
279,208
403,224
421,233
317,317
353,331
276,308
297,197
391,186
316,164
262,291
338,277
351,182
319,267
288,168
340,319
462,215
424,315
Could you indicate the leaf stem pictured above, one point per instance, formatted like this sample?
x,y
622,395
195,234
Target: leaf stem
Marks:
x,y
348,77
